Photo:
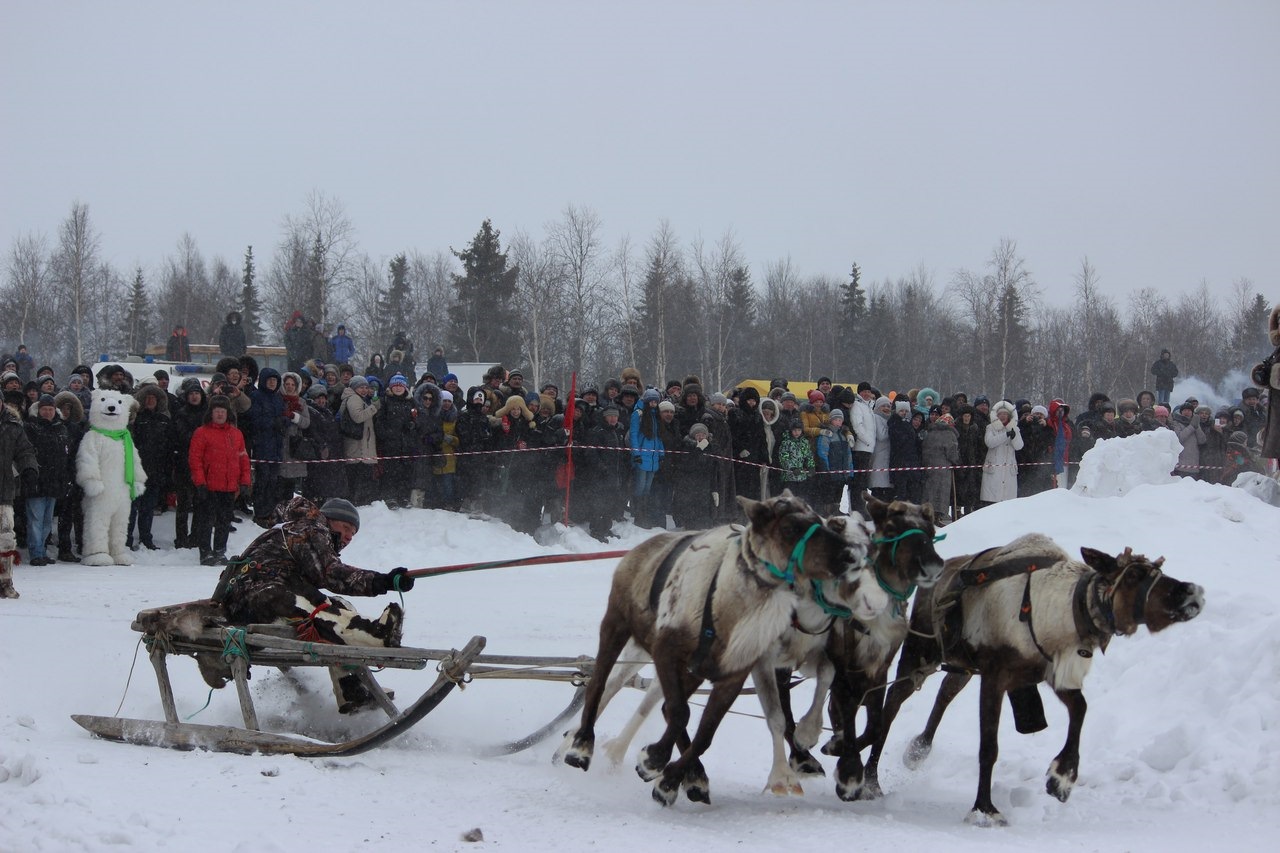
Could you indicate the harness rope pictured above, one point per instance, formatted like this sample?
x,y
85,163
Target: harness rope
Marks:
x,y
893,558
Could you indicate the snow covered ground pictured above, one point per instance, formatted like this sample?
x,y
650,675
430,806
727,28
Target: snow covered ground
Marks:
x,y
1180,750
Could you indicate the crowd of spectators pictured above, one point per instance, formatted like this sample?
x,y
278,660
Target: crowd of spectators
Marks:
x,y
228,453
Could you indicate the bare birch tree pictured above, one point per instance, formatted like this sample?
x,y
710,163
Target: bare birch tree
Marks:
x,y
74,270
27,274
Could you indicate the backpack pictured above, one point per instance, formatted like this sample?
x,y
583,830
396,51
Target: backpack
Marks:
x,y
349,428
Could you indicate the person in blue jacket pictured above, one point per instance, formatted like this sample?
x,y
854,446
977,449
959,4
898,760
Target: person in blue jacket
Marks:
x,y
342,346
646,456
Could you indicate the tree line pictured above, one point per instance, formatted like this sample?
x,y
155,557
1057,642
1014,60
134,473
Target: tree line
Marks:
x,y
569,299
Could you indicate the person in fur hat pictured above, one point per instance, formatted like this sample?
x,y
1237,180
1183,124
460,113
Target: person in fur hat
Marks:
x,y
69,509
1000,468
631,376
1266,374
153,435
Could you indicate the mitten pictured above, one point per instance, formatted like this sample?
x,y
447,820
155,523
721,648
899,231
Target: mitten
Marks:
x,y
399,579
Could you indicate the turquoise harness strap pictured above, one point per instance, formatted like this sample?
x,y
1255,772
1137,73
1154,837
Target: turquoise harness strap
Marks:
x,y
893,557
795,565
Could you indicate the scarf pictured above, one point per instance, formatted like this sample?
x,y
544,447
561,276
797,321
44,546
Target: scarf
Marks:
x,y
127,437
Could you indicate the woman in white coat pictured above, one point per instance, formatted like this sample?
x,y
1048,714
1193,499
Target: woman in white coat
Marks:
x,y
1000,471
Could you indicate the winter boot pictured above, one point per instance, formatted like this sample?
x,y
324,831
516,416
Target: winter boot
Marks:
x,y
181,530
6,575
65,556
207,558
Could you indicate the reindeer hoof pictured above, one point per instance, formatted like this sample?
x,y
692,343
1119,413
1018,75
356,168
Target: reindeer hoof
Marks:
x,y
665,794
850,793
916,752
578,753
784,789
644,769
835,746
1059,784
986,820
871,789
698,792
805,764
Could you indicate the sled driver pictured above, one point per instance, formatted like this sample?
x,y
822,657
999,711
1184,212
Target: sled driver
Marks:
x,y
279,579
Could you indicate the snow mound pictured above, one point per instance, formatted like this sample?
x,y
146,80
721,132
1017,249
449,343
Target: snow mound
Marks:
x,y
1116,466
1264,488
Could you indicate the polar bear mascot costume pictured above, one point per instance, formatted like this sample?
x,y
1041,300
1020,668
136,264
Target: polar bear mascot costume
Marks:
x,y
109,469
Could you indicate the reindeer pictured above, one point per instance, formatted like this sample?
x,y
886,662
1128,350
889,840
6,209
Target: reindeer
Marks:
x,y
706,606
801,646
862,651
1019,615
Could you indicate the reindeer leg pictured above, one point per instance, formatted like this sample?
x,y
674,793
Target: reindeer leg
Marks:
x,y
616,749
1063,769
773,702
874,703
634,658
849,768
809,729
984,811
614,634
723,694
677,686
922,744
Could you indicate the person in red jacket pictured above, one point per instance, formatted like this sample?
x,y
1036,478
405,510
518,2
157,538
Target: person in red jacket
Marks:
x,y
219,469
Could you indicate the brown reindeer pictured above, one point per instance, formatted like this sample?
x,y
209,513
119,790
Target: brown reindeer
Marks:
x,y
1023,614
707,606
856,595
904,558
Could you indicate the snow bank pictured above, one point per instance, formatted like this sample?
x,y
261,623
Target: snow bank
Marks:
x,y
1115,466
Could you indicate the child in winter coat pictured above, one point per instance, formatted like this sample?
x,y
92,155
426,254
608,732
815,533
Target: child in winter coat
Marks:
x,y
219,468
795,457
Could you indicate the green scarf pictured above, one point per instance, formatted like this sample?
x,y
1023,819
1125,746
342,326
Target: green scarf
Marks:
x,y
127,437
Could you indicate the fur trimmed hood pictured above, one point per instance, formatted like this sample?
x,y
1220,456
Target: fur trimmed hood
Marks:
x,y
1005,406
515,403
769,406
432,389
1273,326
149,390
69,398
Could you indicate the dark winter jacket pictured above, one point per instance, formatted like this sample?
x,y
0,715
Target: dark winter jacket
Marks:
x,y
231,340
155,437
396,426
1164,370
52,447
186,420
266,413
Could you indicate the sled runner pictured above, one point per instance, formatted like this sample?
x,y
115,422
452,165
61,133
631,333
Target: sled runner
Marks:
x,y
226,652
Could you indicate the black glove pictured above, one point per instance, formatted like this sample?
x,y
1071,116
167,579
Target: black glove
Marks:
x,y
246,491
401,575
1011,434
30,481
202,493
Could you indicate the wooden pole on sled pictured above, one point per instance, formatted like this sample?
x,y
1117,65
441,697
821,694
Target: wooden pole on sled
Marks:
x,y
518,561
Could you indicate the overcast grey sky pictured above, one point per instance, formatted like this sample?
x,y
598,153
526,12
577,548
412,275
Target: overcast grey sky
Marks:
x,y
1141,134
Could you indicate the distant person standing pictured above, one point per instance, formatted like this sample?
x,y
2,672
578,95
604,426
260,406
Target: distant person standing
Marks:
x,y
24,362
342,346
178,348
1164,370
231,340
438,365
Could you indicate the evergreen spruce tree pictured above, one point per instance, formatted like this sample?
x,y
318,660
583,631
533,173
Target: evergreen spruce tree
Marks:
x,y
853,308
250,304
394,303
137,319
482,323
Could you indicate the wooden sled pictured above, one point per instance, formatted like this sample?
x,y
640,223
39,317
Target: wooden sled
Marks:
x,y
226,652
